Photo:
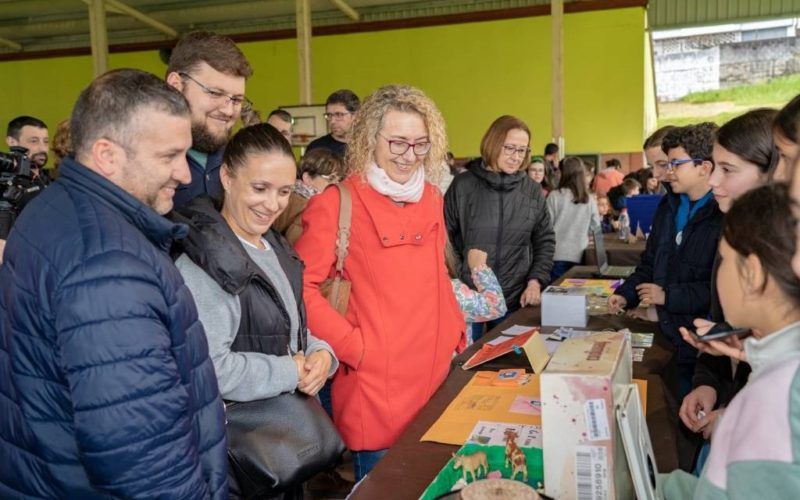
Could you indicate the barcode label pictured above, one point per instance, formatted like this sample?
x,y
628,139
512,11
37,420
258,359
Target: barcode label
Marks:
x,y
596,420
591,473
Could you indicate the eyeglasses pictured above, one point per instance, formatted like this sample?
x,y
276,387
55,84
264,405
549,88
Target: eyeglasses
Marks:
x,y
673,164
400,147
511,150
217,95
336,116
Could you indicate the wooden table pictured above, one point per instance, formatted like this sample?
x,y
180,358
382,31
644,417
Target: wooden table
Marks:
x,y
410,465
620,253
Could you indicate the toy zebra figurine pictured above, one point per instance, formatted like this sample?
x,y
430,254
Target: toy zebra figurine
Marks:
x,y
472,464
515,458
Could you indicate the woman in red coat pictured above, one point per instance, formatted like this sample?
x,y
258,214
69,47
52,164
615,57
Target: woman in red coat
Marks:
x,y
402,323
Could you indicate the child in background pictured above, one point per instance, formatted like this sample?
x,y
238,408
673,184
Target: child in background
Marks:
x,y
675,269
607,221
618,196
754,452
485,304
537,174
573,211
608,177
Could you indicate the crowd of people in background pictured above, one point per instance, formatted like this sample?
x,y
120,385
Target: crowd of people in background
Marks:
x,y
175,266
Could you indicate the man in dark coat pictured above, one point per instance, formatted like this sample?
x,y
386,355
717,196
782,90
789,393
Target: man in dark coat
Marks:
x,y
210,71
106,386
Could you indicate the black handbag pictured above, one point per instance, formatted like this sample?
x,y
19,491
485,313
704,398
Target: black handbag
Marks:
x,y
278,443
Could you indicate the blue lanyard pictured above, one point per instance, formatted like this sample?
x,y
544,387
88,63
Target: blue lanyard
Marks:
x,y
685,214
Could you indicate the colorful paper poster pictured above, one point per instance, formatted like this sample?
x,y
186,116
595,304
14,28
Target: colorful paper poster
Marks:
x,y
598,287
488,454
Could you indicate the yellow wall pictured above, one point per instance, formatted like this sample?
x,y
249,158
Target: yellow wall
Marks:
x,y
475,72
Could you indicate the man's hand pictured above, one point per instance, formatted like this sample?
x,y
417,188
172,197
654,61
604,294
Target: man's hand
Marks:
x,y
2,249
317,366
651,294
532,296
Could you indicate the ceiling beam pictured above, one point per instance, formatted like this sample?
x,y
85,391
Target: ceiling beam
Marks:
x,y
99,36
346,9
119,7
11,44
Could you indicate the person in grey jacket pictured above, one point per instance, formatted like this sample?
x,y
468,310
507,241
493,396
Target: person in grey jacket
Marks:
x,y
497,208
573,211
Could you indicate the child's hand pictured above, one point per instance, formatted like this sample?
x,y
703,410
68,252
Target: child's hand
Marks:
x,y
616,304
476,258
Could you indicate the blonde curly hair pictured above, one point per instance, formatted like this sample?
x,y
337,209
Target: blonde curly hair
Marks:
x,y
368,122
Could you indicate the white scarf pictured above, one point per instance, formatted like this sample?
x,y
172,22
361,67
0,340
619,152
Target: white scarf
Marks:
x,y
410,192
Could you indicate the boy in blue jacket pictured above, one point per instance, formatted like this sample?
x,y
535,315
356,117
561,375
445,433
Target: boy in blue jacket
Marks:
x,y
674,274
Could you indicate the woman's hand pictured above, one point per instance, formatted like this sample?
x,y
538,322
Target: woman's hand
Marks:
x,y
697,406
317,366
532,296
616,304
300,362
651,294
476,258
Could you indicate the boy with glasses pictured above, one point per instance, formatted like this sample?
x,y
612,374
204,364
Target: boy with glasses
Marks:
x,y
340,108
674,274
210,71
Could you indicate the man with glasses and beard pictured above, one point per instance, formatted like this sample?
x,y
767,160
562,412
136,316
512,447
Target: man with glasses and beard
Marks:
x,y
340,108
210,71
31,133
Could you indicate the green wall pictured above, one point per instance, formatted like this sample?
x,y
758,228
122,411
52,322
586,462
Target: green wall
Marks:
x,y
475,72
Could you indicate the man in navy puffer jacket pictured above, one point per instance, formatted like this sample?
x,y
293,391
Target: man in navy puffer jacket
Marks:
x,y
106,387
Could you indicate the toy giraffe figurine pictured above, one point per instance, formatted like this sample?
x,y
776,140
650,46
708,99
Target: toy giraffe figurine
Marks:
x,y
472,464
515,458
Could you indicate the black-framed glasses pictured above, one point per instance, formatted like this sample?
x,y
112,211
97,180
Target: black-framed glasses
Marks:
x,y
217,95
336,116
673,164
511,150
400,147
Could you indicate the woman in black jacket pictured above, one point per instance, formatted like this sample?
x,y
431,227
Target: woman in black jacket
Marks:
x,y
497,208
247,282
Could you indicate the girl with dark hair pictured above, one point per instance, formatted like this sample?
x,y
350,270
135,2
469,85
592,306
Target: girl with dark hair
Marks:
x,y
744,159
786,134
497,208
246,280
573,211
754,452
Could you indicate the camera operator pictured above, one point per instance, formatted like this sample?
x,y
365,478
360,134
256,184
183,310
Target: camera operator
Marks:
x,y
22,174
31,133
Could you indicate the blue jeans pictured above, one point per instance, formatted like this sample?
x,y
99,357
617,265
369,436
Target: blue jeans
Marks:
x,y
559,268
364,461
325,398
701,458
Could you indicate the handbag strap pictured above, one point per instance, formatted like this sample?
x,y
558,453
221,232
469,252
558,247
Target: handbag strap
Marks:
x,y
343,233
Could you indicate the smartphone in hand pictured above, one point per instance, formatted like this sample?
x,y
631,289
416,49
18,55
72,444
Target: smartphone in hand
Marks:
x,y
721,331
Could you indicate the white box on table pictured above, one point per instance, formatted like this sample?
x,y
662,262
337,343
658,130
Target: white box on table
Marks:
x,y
564,307
583,454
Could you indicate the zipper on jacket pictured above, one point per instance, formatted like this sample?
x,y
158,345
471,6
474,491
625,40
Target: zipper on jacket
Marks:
x,y
498,252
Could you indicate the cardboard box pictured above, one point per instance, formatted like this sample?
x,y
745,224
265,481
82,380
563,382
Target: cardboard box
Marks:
x,y
564,306
583,454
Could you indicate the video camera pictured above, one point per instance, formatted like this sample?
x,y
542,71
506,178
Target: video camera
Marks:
x,y
15,186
